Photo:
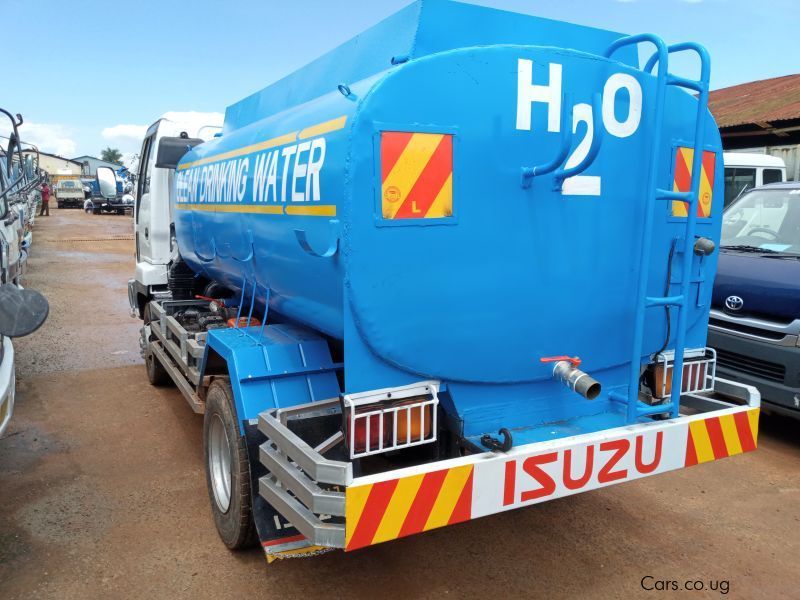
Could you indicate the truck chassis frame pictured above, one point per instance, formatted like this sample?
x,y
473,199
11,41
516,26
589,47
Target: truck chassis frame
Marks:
x,y
331,508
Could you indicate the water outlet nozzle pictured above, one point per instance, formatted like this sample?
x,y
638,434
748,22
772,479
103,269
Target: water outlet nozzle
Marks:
x,y
565,369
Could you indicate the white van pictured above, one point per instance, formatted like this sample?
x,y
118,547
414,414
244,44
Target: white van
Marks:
x,y
744,170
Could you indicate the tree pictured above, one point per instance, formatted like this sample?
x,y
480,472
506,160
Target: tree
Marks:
x,y
111,155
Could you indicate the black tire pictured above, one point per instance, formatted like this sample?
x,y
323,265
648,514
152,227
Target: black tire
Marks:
x,y
234,521
156,373
59,205
96,211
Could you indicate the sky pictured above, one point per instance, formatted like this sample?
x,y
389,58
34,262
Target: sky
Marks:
x,y
89,75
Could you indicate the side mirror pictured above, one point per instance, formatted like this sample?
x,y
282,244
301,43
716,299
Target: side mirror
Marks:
x,y
21,311
172,149
107,181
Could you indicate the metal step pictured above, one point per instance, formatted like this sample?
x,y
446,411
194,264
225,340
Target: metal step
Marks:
x,y
315,498
186,388
319,533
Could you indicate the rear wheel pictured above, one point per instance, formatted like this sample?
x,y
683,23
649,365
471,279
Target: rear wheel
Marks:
x,y
59,204
156,373
227,469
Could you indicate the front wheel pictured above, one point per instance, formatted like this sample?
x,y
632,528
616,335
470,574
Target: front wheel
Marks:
x,y
227,469
156,373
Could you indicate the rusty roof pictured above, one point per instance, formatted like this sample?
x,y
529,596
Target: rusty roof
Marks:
x,y
776,99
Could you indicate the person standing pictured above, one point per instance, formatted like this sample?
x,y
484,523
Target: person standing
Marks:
x,y
45,209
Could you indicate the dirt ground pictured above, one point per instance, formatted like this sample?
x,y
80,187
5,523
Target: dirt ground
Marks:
x,y
102,492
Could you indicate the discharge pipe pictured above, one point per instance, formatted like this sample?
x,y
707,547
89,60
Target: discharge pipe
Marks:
x,y
565,369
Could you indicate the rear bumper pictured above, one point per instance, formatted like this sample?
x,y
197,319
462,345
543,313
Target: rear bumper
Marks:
x,y
71,201
368,510
7,385
773,368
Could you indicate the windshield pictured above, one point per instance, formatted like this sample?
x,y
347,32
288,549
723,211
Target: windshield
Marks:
x,y
767,220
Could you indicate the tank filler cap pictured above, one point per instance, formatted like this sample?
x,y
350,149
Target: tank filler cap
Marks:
x,y
704,246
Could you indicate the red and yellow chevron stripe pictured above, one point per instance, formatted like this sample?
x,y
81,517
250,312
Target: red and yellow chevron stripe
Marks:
x,y
396,508
682,181
720,437
416,175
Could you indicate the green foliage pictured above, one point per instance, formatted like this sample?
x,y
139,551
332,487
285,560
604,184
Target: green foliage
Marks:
x,y
111,155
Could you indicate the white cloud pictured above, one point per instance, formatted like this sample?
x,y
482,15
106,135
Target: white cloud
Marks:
x,y
48,137
134,132
128,137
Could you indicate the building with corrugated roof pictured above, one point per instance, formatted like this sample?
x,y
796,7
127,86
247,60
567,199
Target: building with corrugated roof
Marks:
x,y
90,164
56,166
761,116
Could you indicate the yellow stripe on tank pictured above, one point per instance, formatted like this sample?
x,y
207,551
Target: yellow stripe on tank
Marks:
x,y
314,210
322,128
281,140
232,208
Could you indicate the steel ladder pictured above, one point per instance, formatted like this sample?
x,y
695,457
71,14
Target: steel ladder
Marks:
x,y
635,408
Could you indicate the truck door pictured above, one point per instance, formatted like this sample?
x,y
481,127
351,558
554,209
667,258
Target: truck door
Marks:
x,y
143,210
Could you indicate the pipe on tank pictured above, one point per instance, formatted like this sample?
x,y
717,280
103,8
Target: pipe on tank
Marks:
x,y
576,380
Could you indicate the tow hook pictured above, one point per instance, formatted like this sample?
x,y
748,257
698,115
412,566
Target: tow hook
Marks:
x,y
494,444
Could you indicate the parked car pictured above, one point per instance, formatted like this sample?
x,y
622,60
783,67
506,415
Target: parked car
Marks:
x,y
744,171
69,193
755,315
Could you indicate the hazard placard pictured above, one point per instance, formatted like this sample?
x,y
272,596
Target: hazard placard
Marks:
x,y
416,175
682,181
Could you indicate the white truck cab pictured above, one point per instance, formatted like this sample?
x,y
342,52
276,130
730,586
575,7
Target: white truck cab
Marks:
x,y
156,247
746,170
21,311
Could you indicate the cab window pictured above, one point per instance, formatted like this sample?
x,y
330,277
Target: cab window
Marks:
x,y
736,180
772,176
142,180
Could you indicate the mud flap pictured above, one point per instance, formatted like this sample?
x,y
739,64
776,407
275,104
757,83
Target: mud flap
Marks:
x,y
278,538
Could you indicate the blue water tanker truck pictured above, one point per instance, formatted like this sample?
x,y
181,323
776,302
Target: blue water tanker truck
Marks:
x,y
459,265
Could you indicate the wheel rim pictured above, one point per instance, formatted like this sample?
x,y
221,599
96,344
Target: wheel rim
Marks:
x,y
219,463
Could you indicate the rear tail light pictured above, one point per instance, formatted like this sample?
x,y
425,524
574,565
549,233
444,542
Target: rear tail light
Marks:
x,y
391,419
699,372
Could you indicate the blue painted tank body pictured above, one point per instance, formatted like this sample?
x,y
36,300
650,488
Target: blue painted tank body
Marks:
x,y
291,200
